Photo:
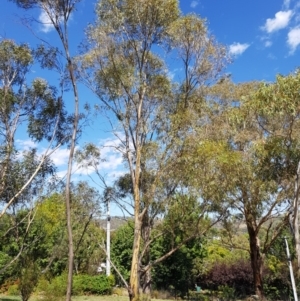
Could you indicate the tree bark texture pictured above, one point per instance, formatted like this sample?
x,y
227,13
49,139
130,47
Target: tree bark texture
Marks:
x,y
294,219
256,262
134,273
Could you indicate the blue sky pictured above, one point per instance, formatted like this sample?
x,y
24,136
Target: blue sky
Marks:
x,y
263,38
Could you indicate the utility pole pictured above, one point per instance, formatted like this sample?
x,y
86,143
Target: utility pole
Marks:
x,y
291,270
108,241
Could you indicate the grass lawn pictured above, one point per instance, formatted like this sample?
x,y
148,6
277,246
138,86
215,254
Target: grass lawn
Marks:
x,y
77,298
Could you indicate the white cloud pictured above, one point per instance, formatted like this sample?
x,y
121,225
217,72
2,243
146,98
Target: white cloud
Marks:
x,y
26,144
194,4
112,153
281,20
61,174
286,4
293,39
237,48
112,162
46,25
86,170
111,159
60,157
172,73
111,167
116,174
268,43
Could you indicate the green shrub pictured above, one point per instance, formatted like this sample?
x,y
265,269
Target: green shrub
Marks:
x,y
53,290
13,290
111,280
227,293
277,284
4,259
96,285
82,285
28,279
7,284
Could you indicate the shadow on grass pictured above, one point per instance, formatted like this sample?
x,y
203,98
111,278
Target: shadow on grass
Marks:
x,y
9,299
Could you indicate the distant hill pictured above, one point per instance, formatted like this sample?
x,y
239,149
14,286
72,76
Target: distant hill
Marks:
x,y
115,222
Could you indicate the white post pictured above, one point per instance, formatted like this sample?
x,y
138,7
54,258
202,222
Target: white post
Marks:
x,y
291,270
108,241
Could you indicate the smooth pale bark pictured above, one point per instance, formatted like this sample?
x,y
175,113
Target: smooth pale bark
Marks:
x,y
145,275
134,272
69,174
294,219
62,30
135,176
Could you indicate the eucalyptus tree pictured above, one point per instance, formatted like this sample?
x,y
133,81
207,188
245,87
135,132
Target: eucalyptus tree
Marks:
x,y
35,109
279,117
35,105
275,110
258,161
59,13
124,66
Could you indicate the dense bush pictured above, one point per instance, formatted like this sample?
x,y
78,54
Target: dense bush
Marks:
x,y
53,290
13,290
96,285
28,279
8,284
237,275
277,284
8,272
82,285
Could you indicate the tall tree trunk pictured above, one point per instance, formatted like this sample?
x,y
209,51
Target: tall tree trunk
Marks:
x,y
69,174
146,279
135,264
256,262
58,13
145,276
294,219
